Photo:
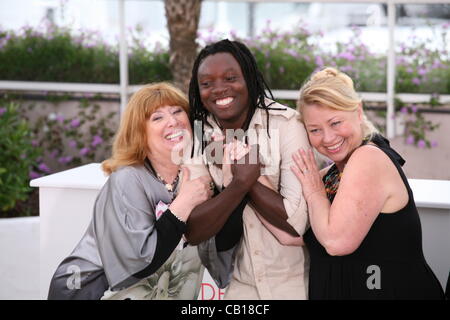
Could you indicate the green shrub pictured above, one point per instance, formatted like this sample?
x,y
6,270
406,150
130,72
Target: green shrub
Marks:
x,y
17,157
286,59
59,56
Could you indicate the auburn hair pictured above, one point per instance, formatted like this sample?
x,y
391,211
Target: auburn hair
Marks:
x,y
130,145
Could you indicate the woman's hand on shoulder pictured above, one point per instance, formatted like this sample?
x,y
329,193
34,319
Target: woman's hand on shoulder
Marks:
x,y
307,172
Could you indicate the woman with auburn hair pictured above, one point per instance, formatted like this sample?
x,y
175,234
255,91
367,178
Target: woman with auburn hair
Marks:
x,y
140,213
365,240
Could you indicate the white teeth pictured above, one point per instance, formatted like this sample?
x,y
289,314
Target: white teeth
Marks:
x,y
223,102
335,146
174,135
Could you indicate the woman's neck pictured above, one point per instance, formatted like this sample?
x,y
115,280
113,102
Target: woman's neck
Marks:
x,y
164,167
341,165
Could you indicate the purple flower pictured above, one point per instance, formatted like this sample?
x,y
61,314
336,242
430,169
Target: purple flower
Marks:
x,y
84,151
64,160
75,123
422,71
281,70
72,143
60,118
53,154
319,61
434,144
410,140
404,110
347,55
347,69
96,141
2,111
416,81
291,52
437,65
401,61
409,70
421,144
414,108
44,168
34,143
33,175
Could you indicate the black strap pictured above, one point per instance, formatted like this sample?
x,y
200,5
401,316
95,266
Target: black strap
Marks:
x,y
384,144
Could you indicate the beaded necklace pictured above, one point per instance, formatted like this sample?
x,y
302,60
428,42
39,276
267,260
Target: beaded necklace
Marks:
x,y
171,187
331,182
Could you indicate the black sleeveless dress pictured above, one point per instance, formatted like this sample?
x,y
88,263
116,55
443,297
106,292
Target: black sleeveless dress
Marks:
x,y
389,263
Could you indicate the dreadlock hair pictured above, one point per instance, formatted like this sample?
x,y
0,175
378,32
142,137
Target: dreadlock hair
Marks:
x,y
257,86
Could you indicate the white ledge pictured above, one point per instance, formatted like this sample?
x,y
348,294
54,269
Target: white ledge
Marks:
x,y
89,176
427,193
431,193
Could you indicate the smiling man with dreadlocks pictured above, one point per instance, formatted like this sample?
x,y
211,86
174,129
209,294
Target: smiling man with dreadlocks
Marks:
x,y
249,233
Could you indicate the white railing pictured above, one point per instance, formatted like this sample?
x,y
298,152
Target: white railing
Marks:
x,y
124,88
130,89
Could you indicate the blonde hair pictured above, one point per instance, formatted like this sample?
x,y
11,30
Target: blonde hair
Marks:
x,y
130,143
332,88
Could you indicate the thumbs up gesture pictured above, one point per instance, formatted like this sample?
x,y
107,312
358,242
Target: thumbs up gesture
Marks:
x,y
191,193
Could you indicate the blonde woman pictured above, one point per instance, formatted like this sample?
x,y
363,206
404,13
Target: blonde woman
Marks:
x,y
140,214
365,239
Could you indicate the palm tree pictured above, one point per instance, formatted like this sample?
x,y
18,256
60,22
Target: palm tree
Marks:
x,y
182,22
